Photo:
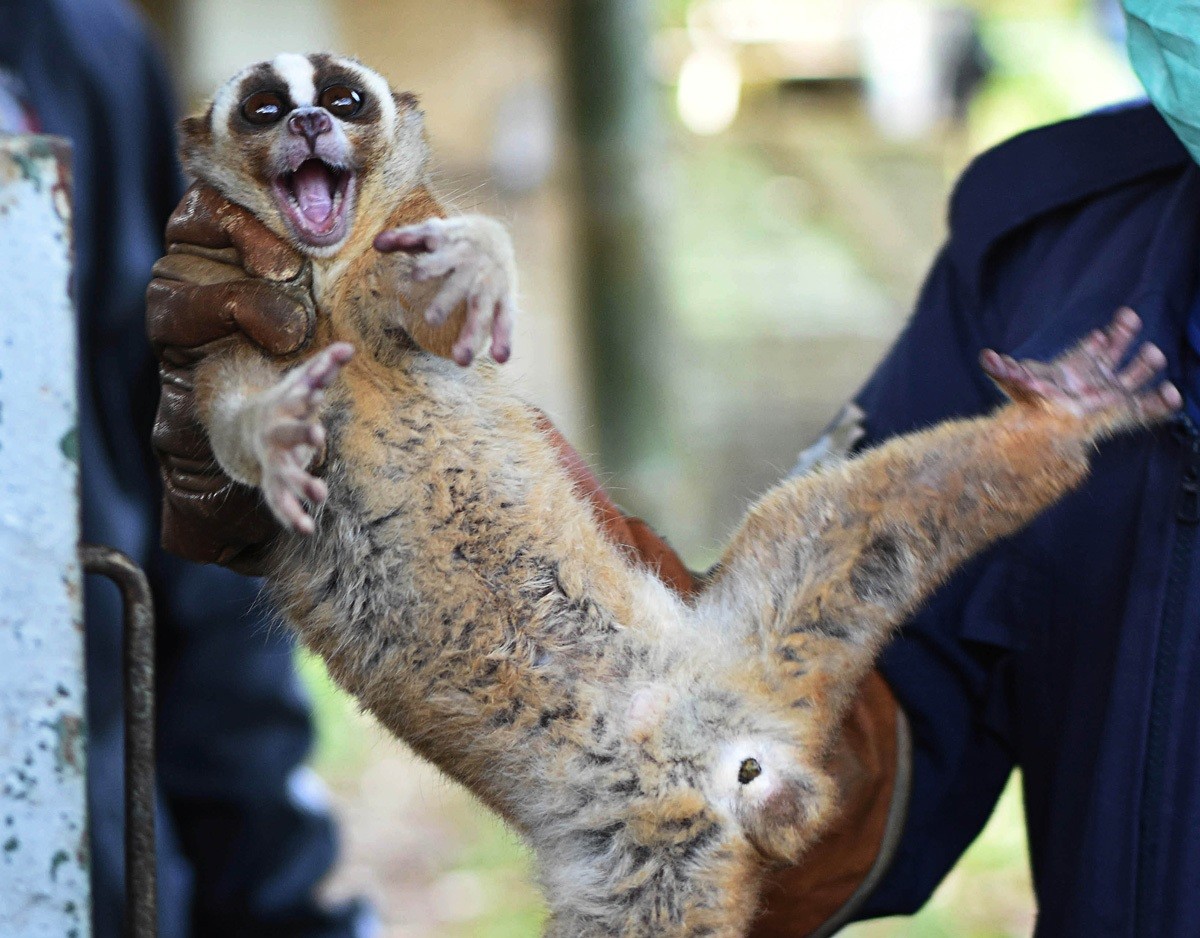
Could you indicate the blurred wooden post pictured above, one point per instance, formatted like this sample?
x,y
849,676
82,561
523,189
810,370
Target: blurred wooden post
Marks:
x,y
620,164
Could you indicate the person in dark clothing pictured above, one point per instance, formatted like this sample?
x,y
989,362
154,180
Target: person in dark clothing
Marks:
x,y
1072,650
243,838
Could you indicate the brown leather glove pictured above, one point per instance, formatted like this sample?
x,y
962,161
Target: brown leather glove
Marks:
x,y
224,276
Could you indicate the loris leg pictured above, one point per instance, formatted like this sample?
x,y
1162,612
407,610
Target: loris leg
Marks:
x,y
265,429
471,257
826,566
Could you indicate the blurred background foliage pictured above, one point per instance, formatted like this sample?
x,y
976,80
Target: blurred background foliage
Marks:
x,y
779,181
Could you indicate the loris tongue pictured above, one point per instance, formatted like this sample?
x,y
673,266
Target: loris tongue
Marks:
x,y
313,184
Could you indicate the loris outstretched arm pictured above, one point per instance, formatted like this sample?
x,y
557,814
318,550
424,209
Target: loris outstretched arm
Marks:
x,y
464,273
826,566
264,425
449,282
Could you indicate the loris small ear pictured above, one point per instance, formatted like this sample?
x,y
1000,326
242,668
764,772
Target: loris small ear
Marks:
x,y
406,101
195,137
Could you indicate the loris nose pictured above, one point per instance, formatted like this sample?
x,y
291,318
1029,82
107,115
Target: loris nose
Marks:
x,y
310,123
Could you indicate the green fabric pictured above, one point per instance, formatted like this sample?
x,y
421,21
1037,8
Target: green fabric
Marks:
x,y
1164,45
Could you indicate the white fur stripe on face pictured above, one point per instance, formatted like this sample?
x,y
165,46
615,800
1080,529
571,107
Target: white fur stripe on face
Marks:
x,y
298,73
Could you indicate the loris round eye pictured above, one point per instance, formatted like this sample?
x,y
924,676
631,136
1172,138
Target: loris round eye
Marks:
x,y
263,107
341,100
749,771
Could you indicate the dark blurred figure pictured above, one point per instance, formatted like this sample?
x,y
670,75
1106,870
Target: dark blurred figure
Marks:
x,y
244,837
1072,649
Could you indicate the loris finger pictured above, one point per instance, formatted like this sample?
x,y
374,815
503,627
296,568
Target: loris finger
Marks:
x,y
315,490
297,484
502,326
1170,396
1164,401
452,293
439,263
324,367
471,338
1148,362
1014,377
296,433
290,513
1120,334
411,239
304,388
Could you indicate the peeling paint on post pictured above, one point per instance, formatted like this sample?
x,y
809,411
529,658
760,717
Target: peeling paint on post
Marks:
x,y
43,823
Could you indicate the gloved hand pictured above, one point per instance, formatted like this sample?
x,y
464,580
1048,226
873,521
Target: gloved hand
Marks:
x,y
225,278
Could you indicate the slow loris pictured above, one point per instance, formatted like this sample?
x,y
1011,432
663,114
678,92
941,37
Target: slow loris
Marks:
x,y
658,755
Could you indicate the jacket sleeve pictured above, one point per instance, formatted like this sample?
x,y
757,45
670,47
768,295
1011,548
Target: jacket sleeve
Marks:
x,y
947,665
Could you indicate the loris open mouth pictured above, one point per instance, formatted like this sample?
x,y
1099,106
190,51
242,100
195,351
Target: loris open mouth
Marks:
x,y
315,198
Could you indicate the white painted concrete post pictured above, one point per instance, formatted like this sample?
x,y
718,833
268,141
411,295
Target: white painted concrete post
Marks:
x,y
44,859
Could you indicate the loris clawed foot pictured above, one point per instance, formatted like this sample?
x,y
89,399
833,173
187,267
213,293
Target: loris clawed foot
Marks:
x,y
1094,380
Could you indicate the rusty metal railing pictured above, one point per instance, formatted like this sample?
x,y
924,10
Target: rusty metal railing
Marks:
x,y
141,893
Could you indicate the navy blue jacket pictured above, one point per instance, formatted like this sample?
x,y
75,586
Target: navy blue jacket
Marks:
x,y
1072,650
242,844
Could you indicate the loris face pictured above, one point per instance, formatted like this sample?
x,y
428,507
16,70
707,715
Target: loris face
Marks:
x,y
303,141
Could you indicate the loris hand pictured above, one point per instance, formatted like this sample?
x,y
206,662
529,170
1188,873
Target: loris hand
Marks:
x,y
474,255
1094,381
288,435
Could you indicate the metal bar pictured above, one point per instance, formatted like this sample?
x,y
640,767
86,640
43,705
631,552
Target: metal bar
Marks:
x,y
141,892
44,845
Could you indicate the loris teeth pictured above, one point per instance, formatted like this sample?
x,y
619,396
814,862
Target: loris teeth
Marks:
x,y
315,196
